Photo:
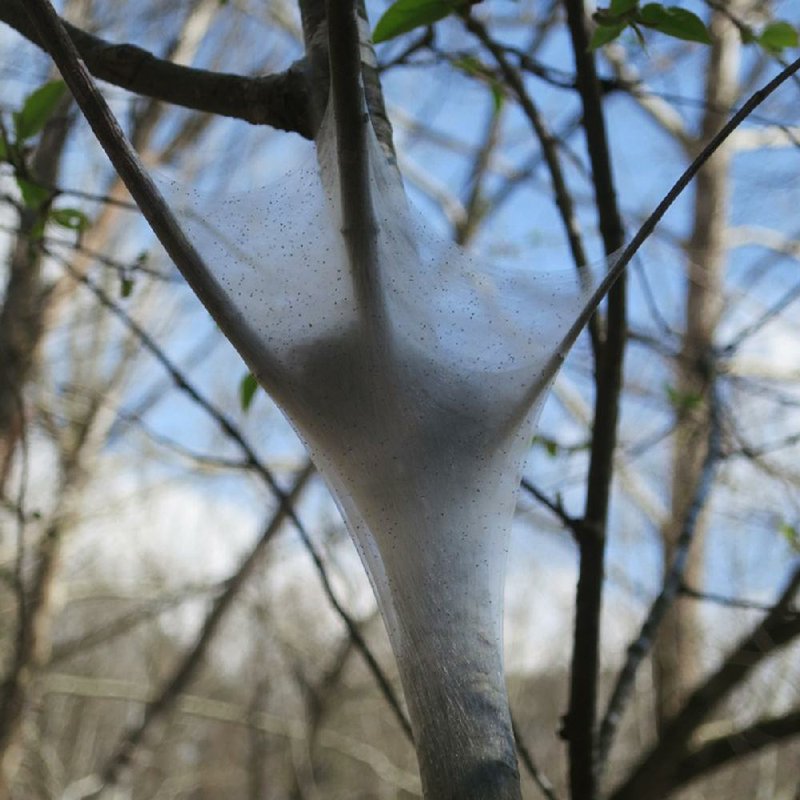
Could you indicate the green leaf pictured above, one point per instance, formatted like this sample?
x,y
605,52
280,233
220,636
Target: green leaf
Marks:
x,y
791,534
777,36
406,15
70,218
682,401
470,65
603,34
247,390
673,21
126,286
3,148
746,34
550,446
33,195
620,7
498,96
37,229
37,109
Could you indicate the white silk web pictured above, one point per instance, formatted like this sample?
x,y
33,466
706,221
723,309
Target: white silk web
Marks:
x,y
420,433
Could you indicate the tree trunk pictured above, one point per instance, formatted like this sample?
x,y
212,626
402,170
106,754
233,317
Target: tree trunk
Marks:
x,y
677,663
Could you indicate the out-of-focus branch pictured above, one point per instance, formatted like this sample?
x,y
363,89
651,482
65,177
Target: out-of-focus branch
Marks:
x,y
673,582
653,776
718,752
773,137
657,108
279,101
229,713
537,776
185,671
549,145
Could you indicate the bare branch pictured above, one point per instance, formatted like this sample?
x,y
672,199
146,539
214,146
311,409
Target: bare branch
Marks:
x,y
538,777
716,753
579,723
142,188
279,101
772,137
673,582
653,776
230,713
186,669
657,108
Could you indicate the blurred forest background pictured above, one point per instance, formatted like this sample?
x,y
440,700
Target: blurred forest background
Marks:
x,y
167,634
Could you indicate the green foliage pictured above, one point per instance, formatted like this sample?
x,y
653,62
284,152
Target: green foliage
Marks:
x,y
550,446
792,535
472,66
778,36
407,15
682,402
37,109
33,195
679,24
126,286
603,34
673,21
247,390
620,7
70,218
670,20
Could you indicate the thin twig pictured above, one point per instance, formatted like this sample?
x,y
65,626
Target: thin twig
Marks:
x,y
549,145
538,777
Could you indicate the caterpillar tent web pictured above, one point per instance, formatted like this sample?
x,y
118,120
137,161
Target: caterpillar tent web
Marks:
x,y
418,411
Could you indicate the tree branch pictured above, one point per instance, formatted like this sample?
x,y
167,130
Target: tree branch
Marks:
x,y
193,659
579,727
280,101
654,774
716,753
156,210
673,583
